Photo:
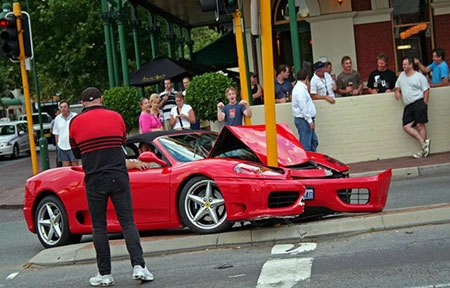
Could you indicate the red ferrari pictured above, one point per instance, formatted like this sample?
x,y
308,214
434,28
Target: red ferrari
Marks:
x,y
206,181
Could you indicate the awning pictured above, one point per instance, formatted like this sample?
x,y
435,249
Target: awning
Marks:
x,y
6,101
162,67
222,53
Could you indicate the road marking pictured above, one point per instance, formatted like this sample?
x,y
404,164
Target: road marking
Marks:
x,y
293,249
284,273
12,276
433,286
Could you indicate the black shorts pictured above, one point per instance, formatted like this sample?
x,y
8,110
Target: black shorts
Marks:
x,y
416,112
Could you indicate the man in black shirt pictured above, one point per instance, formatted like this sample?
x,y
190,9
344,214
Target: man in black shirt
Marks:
x,y
382,79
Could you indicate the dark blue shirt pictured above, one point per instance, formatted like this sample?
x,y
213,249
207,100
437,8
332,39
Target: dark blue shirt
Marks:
x,y
282,89
233,114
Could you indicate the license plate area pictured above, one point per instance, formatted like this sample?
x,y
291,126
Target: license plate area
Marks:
x,y
309,194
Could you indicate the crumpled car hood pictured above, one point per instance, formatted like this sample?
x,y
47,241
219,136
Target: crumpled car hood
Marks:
x,y
290,151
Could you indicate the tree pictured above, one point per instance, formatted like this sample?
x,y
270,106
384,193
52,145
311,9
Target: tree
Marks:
x,y
125,101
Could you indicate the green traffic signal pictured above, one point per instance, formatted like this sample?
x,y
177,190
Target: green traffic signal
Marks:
x,y
9,46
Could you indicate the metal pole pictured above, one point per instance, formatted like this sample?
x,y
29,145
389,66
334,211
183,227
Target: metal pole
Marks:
x,y
269,86
123,50
26,91
106,25
294,36
43,144
243,70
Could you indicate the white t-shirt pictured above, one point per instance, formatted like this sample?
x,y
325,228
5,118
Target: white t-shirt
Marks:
x,y
184,110
321,86
412,86
61,128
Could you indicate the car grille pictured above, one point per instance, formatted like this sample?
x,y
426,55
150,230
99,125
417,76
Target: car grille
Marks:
x,y
358,196
282,199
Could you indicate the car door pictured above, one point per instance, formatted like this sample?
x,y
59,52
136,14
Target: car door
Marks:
x,y
150,191
23,140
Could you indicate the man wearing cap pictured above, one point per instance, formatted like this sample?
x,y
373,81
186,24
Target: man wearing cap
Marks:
x,y
304,111
99,143
322,85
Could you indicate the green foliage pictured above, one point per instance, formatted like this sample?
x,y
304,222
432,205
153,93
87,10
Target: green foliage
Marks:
x,y
203,36
126,102
205,91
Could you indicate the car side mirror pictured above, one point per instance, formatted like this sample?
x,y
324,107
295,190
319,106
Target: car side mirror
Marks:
x,y
21,133
149,156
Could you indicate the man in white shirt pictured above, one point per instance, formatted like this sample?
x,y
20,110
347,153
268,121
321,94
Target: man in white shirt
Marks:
x,y
167,102
322,85
304,111
61,132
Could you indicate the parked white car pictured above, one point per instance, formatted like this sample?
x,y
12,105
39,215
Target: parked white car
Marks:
x,y
46,125
14,138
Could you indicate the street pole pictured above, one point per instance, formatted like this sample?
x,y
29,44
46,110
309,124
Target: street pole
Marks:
x,y
269,86
43,144
18,13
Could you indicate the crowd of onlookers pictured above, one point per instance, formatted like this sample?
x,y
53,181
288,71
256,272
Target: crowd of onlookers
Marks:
x,y
411,86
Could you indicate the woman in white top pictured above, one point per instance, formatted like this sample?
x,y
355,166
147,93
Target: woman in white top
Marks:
x,y
182,115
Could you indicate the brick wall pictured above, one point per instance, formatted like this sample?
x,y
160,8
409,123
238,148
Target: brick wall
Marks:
x,y
371,40
441,27
361,5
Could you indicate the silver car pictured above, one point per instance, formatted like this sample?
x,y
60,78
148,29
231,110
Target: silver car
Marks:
x,y
14,138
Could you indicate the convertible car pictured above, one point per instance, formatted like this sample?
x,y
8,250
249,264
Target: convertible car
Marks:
x,y
206,181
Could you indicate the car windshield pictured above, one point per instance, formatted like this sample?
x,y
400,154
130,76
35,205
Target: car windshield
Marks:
x,y
7,130
188,147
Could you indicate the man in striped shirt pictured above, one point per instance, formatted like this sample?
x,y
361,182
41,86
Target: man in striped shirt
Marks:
x,y
97,135
167,102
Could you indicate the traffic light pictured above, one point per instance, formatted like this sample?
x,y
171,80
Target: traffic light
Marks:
x,y
220,6
9,46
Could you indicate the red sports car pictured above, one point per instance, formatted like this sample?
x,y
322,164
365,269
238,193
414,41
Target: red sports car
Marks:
x,y
182,187
206,181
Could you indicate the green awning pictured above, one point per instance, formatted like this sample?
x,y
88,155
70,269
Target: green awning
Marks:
x,y
222,53
5,101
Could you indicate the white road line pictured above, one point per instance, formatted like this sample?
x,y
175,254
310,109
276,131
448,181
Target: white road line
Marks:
x,y
293,249
434,286
284,273
12,276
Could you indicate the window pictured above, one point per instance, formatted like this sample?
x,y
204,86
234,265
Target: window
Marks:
x,y
413,30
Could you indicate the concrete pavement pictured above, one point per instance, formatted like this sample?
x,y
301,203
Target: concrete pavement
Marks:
x,y
295,233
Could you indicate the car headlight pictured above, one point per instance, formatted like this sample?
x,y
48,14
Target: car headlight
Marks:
x,y
244,168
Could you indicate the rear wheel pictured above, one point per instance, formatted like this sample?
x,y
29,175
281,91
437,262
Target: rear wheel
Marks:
x,y
202,207
15,152
52,225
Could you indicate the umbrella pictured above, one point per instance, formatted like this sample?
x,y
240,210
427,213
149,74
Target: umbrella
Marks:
x,y
162,67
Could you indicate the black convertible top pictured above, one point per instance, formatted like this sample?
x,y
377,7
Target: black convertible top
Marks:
x,y
150,136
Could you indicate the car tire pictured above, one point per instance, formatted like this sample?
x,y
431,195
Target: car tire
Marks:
x,y
15,152
52,225
202,208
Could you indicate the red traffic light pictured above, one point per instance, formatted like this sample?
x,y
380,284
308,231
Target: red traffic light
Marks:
x,y
9,47
4,23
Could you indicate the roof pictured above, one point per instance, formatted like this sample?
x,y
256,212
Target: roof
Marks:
x,y
186,13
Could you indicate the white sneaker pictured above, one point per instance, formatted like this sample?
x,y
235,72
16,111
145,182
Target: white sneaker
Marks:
x,y
426,148
102,280
418,155
142,274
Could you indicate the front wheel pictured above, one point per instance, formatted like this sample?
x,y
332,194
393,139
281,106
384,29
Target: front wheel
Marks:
x,y
202,207
52,225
